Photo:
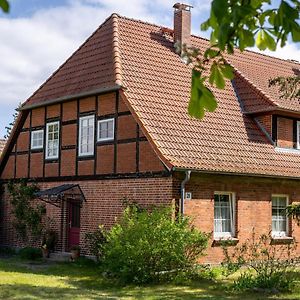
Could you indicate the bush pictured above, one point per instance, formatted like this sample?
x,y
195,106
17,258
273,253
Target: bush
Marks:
x,y
30,253
95,242
269,266
151,246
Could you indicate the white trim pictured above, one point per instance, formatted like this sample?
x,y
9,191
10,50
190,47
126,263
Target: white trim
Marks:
x,y
232,201
98,130
47,137
298,134
80,153
32,134
280,234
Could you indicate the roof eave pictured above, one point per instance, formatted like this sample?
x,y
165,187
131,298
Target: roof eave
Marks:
x,y
72,97
182,169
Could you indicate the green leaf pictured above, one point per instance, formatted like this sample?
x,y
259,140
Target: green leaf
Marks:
x,y
296,33
202,98
227,71
270,42
216,76
4,5
219,8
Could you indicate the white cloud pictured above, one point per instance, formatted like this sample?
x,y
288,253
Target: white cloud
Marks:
x,y
290,51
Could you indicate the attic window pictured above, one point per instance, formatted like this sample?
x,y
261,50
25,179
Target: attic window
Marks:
x,y
37,139
106,130
86,135
52,140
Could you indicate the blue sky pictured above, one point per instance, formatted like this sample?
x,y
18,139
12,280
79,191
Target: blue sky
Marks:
x,y
39,35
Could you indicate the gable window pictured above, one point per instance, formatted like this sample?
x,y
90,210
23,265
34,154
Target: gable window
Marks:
x,y
52,140
86,135
106,130
224,215
37,139
279,217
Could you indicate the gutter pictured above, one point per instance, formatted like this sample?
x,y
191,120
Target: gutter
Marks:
x,y
71,97
182,190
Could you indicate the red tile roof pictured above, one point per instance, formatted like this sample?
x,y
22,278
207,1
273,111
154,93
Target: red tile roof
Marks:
x,y
157,85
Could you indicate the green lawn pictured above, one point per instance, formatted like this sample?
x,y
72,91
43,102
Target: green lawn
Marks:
x,y
39,280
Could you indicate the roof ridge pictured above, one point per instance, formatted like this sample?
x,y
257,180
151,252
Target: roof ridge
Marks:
x,y
71,56
116,49
206,39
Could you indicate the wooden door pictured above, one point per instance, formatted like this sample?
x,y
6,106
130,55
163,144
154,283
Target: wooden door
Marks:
x,y
74,224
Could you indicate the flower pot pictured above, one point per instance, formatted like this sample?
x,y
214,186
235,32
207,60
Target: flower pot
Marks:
x,y
46,253
75,254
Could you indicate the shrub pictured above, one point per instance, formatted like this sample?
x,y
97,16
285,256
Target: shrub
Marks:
x,y
151,246
30,253
269,266
95,242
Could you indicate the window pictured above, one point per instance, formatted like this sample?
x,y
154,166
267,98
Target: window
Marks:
x,y
298,134
52,140
279,218
37,139
86,135
106,129
224,214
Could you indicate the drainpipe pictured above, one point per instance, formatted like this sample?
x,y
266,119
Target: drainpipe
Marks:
x,y
182,190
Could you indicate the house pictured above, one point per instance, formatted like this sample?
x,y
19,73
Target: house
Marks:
x,y
2,145
112,123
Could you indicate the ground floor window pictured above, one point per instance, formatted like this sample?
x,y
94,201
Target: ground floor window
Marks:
x,y
279,217
224,215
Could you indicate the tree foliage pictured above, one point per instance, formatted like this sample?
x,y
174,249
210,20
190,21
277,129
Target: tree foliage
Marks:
x,y
4,5
236,24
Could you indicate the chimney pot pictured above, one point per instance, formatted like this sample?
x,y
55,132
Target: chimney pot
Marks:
x,y
182,24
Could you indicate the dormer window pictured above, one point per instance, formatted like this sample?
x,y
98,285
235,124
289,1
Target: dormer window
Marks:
x,y
298,134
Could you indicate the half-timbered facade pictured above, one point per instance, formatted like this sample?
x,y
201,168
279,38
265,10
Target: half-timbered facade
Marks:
x,y
111,124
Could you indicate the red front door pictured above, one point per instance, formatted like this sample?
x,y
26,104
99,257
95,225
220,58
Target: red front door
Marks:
x,y
74,224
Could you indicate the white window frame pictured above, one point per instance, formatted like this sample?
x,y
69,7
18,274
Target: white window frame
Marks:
x,y
33,132
47,140
98,130
279,234
232,201
298,134
80,153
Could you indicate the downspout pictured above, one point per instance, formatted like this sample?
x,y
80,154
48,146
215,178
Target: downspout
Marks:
x,y
182,190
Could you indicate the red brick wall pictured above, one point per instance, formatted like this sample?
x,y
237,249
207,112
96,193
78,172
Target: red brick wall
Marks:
x,y
103,204
253,209
285,132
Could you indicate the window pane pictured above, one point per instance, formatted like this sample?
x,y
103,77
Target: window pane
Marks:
x,y
106,130
52,140
279,218
86,132
223,214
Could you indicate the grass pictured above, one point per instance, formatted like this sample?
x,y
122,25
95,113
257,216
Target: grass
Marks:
x,y
41,280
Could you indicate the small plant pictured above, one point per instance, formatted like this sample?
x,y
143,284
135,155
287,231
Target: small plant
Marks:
x,y
269,265
95,242
151,246
75,252
30,253
27,216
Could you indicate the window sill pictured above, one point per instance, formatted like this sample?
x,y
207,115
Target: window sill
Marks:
x,y
282,240
225,241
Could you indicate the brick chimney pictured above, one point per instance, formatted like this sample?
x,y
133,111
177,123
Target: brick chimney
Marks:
x,y
182,23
